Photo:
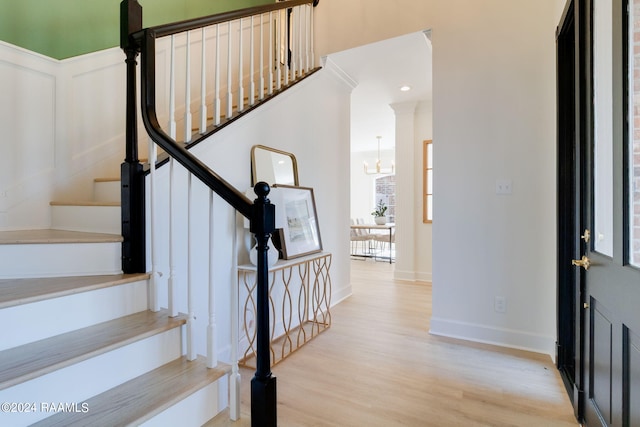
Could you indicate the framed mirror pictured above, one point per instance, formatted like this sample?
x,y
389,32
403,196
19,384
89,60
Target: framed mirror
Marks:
x,y
273,166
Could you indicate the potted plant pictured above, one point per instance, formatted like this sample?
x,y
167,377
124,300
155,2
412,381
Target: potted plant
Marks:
x,y
379,215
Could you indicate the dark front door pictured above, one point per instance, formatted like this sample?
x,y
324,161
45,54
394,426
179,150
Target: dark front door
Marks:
x,y
568,218
612,297
572,128
606,163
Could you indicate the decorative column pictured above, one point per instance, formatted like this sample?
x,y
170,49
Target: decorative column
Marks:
x,y
406,203
263,384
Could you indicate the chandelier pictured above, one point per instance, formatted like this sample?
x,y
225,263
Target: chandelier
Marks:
x,y
378,169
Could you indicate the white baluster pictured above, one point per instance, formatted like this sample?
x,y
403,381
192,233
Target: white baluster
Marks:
x,y
203,84
212,352
191,347
287,50
154,300
293,40
271,47
278,50
187,91
252,84
313,55
234,380
240,70
216,105
173,277
299,10
294,43
229,93
261,88
172,89
308,36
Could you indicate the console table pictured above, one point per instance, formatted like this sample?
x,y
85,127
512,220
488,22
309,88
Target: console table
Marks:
x,y
299,299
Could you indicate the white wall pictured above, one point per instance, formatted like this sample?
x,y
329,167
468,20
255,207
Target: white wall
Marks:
x,y
62,125
493,118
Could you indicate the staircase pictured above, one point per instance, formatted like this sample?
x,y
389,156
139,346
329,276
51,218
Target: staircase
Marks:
x,y
79,345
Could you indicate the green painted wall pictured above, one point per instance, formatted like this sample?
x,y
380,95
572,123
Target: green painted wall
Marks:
x,y
65,28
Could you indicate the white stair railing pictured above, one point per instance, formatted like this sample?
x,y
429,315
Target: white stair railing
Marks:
x,y
232,52
188,82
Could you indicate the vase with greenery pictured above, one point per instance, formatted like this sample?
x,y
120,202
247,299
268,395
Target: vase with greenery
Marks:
x,y
380,214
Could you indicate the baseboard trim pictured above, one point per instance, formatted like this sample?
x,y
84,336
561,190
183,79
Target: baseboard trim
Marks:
x,y
502,337
340,295
412,276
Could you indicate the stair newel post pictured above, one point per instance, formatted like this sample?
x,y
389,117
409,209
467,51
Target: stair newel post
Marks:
x,y
132,190
263,384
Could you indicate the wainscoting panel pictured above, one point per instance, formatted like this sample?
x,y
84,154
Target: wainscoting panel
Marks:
x,y
28,121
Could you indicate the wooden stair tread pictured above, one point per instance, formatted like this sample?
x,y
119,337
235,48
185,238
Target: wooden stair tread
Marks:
x,y
20,364
85,203
107,179
18,237
15,292
143,397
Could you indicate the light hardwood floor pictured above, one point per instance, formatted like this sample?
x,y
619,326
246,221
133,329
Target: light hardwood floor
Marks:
x,y
378,366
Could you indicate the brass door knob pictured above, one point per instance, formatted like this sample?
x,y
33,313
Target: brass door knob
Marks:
x,y
586,236
584,262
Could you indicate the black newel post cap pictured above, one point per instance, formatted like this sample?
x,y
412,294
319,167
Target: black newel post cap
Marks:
x,y
263,220
130,21
262,190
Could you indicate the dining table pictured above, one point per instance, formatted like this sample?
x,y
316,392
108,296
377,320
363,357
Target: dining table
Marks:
x,y
388,227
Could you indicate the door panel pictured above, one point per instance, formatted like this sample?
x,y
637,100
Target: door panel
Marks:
x,y
632,377
601,363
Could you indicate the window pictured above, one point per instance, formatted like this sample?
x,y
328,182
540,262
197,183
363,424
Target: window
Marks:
x,y
634,145
427,206
386,191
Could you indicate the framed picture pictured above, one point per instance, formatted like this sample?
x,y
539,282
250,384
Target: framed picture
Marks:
x,y
300,232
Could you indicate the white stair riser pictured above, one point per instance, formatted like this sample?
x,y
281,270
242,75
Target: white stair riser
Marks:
x,y
44,319
106,191
60,259
79,382
93,219
194,410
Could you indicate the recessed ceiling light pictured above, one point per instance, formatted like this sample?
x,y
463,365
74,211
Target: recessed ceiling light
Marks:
x,y
405,88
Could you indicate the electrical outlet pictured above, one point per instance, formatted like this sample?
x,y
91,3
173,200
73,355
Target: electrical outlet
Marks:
x,y
503,186
500,304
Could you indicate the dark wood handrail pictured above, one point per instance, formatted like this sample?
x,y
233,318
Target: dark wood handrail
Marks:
x,y
205,21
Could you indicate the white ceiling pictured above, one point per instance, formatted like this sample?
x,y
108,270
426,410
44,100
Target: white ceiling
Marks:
x,y
380,69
